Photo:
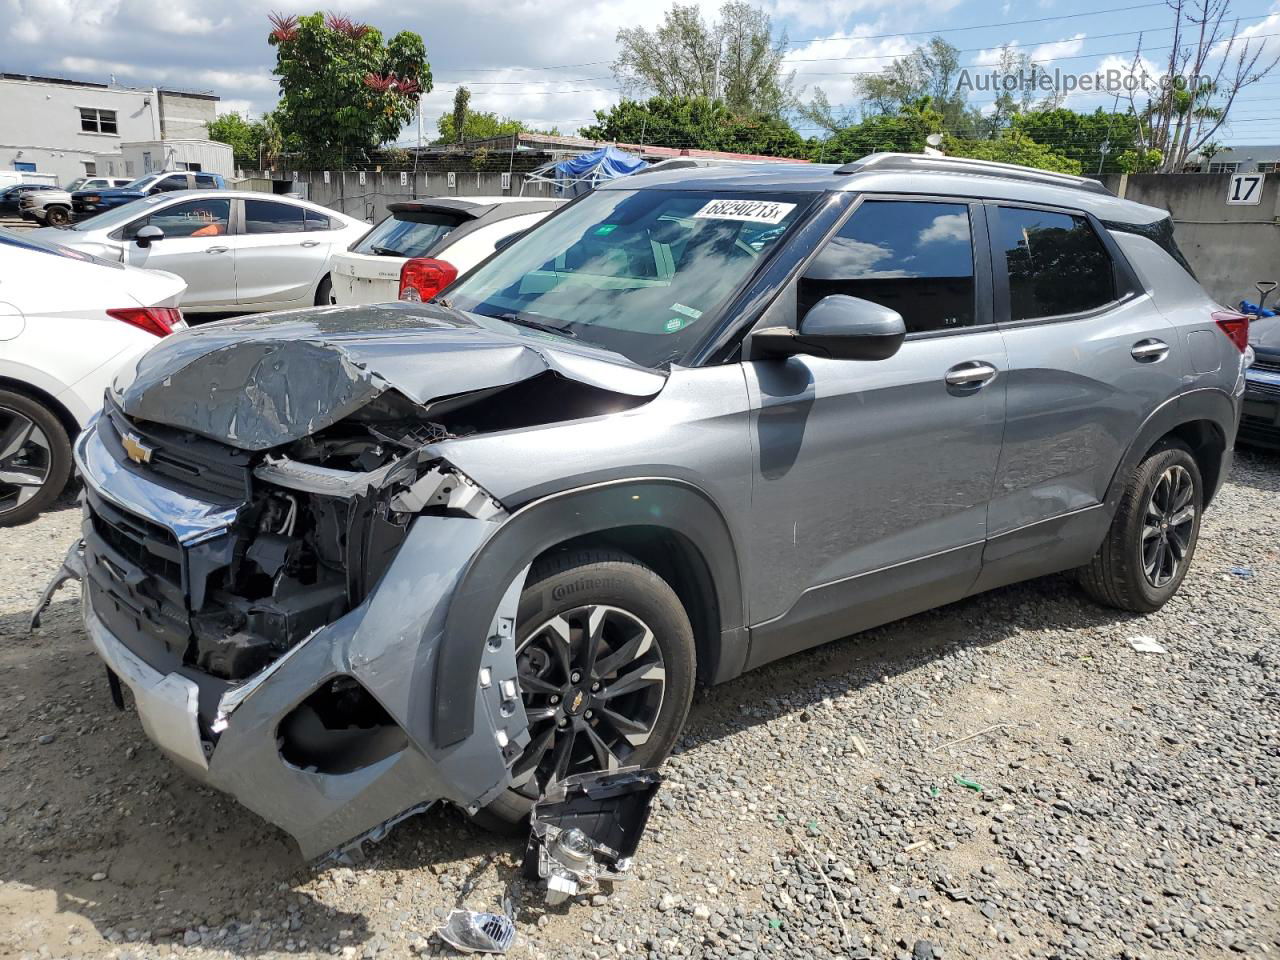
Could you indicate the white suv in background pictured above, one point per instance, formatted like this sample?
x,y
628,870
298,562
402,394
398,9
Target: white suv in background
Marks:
x,y
53,206
425,244
68,323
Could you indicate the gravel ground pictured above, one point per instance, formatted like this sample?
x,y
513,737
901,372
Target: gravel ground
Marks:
x,y
1114,803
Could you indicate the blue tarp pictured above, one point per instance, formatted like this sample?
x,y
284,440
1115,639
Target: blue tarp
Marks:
x,y
579,174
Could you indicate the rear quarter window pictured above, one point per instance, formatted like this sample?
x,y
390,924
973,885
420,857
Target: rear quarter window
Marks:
x,y
1160,232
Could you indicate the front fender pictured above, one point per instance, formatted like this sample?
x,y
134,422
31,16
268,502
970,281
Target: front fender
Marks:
x,y
662,502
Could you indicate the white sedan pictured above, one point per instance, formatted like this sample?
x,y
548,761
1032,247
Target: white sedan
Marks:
x,y
68,323
238,250
423,245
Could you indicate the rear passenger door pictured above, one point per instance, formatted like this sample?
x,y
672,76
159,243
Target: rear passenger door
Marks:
x,y
1089,358
872,478
278,261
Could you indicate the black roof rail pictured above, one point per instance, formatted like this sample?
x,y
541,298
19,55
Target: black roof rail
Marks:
x,y
921,162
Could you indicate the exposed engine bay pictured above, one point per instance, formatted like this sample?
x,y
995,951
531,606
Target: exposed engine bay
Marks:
x,y
323,515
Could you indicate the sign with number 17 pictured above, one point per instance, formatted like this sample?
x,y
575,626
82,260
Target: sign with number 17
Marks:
x,y
1246,188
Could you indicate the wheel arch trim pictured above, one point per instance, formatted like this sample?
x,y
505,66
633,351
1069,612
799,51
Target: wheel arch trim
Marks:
x,y
663,502
1207,405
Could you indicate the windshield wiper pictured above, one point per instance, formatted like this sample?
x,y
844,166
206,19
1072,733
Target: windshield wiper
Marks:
x,y
521,320
384,251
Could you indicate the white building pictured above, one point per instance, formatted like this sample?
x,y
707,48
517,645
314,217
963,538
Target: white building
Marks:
x,y
144,156
70,127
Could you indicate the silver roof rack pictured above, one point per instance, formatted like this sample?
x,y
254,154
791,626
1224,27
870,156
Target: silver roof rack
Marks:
x,y
938,164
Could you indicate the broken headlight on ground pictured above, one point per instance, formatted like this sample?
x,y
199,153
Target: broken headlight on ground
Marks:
x,y
586,828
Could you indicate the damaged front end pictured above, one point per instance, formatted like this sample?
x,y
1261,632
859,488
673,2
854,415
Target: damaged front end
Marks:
x,y
273,583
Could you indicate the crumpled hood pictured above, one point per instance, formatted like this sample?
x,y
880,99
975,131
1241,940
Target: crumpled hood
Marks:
x,y
259,382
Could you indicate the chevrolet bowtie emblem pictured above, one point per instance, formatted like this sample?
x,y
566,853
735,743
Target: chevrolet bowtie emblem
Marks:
x,y
135,449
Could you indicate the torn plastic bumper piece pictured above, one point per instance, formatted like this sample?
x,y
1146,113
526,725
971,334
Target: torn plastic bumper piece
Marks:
x,y
586,828
227,733
72,568
472,932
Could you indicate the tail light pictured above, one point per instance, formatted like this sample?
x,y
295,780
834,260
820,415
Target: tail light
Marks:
x,y
421,278
157,320
1235,326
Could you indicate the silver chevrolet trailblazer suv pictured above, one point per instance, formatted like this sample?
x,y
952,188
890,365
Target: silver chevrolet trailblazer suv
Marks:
x,y
354,561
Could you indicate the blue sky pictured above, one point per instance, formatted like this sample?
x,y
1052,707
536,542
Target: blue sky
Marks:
x,y
547,61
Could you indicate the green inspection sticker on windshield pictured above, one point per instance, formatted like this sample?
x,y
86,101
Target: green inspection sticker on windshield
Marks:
x,y
605,229
676,323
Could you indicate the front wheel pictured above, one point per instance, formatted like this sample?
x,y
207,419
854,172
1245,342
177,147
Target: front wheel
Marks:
x,y
57,216
1153,536
35,458
605,658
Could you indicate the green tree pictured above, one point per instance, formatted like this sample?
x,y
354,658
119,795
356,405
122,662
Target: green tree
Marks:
x,y
1081,136
245,136
736,60
1141,160
900,132
932,71
461,100
343,91
1012,147
695,123
478,125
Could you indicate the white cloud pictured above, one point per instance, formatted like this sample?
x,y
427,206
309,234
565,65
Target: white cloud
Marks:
x,y
948,228
1058,49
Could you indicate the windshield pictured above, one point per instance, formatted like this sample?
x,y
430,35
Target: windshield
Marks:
x,y
76,184
639,272
408,233
110,219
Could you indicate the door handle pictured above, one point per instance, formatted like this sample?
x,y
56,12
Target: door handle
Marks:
x,y
309,243
1150,351
215,250
972,373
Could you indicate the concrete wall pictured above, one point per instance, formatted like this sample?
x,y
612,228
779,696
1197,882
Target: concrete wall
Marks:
x,y
368,200
186,116
40,124
1228,246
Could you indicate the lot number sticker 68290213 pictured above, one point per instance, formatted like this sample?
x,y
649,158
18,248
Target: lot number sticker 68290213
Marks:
x,y
753,211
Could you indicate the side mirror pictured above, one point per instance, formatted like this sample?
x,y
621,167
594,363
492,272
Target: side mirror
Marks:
x,y
839,328
509,239
148,235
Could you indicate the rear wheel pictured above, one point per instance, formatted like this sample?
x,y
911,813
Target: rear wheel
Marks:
x,y
57,216
324,292
1153,536
605,657
35,458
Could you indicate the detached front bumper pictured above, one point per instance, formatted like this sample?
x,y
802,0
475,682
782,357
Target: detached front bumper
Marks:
x,y
235,736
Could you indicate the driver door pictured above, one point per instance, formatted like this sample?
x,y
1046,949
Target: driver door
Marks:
x,y
196,247
872,478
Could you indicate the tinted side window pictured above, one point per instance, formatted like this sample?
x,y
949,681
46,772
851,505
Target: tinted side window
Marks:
x,y
266,216
1057,264
205,182
177,181
914,257
191,218
318,221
